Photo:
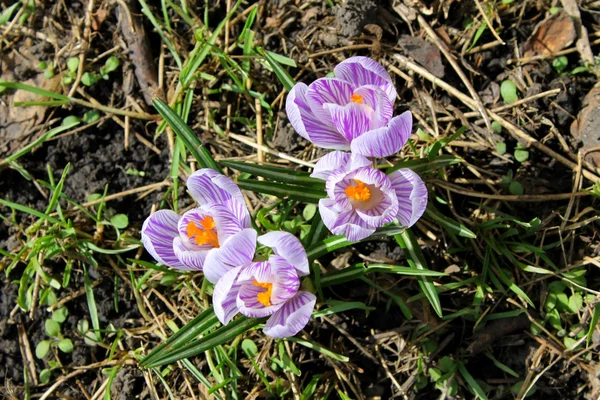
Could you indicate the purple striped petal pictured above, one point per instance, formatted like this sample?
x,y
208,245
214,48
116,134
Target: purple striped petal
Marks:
x,y
361,71
238,250
158,232
260,271
191,258
292,317
285,279
339,160
377,99
412,195
351,120
345,223
330,163
208,186
248,304
384,142
288,246
308,125
327,91
225,296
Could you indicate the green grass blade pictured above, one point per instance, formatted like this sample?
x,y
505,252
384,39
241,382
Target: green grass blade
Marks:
x,y
91,301
205,320
415,259
276,174
327,246
285,78
448,224
28,210
593,324
157,25
471,381
190,139
202,49
320,349
46,136
423,165
299,193
216,338
36,90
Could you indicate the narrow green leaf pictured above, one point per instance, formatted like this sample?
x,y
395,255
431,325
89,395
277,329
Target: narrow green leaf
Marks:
x,y
593,324
284,76
190,139
216,338
415,259
280,190
89,293
341,307
35,90
202,49
28,210
276,174
204,321
471,381
449,224
320,349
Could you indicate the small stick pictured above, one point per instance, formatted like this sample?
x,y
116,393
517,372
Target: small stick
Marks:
x,y
489,23
259,131
283,156
84,46
477,104
72,296
26,353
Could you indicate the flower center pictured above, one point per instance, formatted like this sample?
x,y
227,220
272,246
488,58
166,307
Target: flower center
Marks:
x,y
264,298
356,98
204,233
360,192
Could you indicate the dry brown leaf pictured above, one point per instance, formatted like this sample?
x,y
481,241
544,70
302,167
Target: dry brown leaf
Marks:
x,y
586,128
551,35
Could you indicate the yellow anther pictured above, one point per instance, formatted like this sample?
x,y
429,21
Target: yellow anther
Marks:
x,y
205,233
360,192
264,298
356,98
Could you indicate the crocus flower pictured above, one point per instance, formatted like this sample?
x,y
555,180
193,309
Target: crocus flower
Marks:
x,y
218,231
352,111
268,288
361,199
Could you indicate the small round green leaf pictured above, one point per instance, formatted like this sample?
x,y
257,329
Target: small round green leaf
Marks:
x,y
249,347
66,345
521,155
309,212
111,64
497,127
119,221
501,148
508,91
52,328
60,315
45,376
73,64
91,116
516,188
42,349
71,119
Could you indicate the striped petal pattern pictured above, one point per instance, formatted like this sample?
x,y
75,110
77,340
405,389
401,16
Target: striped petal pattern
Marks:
x,y
268,288
411,193
158,232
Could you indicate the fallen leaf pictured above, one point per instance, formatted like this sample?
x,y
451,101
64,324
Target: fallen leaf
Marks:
x,y
424,53
586,128
550,36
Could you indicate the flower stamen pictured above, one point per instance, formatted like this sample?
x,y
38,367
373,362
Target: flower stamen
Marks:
x,y
356,98
360,192
203,234
264,298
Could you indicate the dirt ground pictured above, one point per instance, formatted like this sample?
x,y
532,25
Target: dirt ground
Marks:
x,y
520,299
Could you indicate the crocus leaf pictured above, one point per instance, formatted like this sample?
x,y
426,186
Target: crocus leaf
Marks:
x,y
199,325
424,165
415,259
187,135
285,78
448,224
277,174
208,342
36,90
471,381
281,190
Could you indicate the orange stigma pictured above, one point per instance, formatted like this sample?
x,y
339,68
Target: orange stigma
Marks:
x,y
360,192
205,234
264,298
356,98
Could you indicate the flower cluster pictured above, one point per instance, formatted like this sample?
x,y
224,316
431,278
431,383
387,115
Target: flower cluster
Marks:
x,y
354,111
217,238
351,111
